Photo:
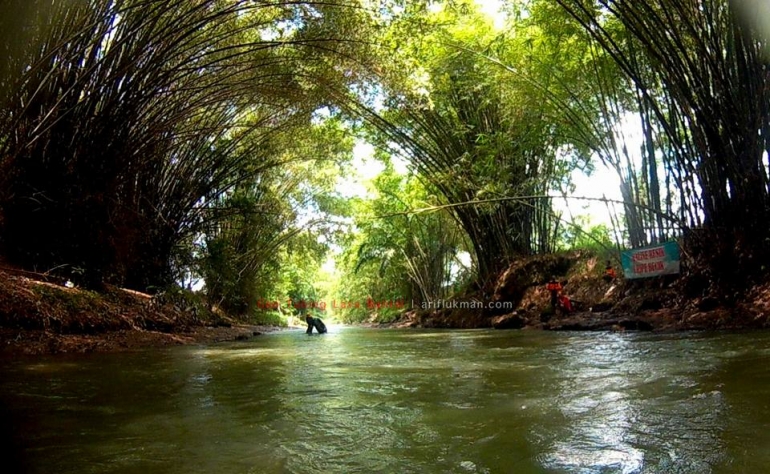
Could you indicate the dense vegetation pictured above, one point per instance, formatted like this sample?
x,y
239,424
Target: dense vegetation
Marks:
x,y
160,142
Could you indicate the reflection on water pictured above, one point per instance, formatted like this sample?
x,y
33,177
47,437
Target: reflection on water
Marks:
x,y
360,400
598,408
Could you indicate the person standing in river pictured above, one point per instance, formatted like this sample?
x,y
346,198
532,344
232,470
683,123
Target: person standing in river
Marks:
x,y
314,323
554,287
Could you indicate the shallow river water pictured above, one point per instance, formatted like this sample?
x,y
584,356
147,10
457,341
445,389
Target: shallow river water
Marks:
x,y
393,401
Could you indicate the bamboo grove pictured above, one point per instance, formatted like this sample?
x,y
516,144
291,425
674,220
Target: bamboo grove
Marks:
x,y
143,140
125,121
702,90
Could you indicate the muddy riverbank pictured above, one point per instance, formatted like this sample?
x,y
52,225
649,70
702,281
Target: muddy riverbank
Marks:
x,y
519,299
32,342
39,315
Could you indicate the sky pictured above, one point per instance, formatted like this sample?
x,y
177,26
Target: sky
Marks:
x,y
492,9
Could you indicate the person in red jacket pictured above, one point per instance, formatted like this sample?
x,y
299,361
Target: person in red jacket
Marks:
x,y
554,287
609,272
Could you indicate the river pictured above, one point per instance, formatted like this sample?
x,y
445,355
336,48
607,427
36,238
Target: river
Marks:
x,y
399,401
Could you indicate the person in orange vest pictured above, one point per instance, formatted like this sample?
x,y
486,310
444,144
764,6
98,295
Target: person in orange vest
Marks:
x,y
554,287
609,272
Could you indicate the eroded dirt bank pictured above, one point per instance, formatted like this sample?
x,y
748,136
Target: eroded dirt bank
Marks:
x,y
660,304
31,342
40,315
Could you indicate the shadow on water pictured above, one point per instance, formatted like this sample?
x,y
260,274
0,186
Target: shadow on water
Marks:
x,y
357,400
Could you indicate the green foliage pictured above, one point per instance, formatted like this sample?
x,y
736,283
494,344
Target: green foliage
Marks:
x,y
475,121
268,318
121,122
272,234
699,76
142,145
194,305
580,235
240,256
395,259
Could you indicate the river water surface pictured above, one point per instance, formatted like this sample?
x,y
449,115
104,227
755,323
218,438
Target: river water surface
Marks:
x,y
392,401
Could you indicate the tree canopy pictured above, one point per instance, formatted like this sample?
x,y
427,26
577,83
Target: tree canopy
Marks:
x,y
144,143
